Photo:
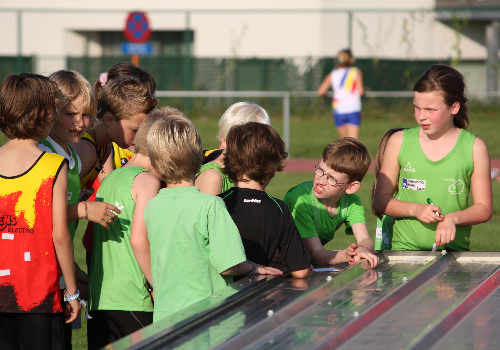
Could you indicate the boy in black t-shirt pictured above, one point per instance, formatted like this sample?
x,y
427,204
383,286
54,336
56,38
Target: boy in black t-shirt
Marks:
x,y
253,155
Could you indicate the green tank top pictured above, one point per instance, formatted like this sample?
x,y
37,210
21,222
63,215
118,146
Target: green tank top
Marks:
x,y
73,178
226,183
116,281
446,182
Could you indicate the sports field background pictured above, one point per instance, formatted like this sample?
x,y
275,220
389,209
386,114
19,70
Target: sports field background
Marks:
x,y
311,132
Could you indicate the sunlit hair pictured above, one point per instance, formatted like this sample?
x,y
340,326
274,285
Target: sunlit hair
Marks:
x,y
451,84
124,97
28,103
349,156
174,147
127,69
345,59
253,150
141,137
74,85
378,162
241,113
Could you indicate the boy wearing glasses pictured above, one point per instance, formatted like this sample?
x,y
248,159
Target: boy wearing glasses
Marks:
x,y
321,206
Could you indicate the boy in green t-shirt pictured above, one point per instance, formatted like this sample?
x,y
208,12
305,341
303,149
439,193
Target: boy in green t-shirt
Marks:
x,y
321,206
195,245
120,270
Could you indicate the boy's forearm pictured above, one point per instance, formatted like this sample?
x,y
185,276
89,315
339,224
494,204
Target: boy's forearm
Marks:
x,y
329,257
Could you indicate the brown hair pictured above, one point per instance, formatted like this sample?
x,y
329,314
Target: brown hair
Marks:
x,y
28,103
141,137
73,85
451,84
344,59
349,156
127,69
124,97
378,161
255,150
174,148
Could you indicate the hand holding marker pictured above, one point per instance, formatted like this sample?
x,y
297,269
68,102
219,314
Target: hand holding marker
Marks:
x,y
430,202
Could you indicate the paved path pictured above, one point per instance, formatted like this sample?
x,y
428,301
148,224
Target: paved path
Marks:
x,y
307,165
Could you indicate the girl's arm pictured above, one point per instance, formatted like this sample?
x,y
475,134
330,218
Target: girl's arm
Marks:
x,y
359,82
481,209
99,212
387,181
325,85
62,239
144,187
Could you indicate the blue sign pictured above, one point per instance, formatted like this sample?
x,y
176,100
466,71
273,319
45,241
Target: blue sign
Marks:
x,y
137,48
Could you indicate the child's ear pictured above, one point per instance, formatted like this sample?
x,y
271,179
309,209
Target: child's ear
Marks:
x,y
108,118
455,108
223,144
353,187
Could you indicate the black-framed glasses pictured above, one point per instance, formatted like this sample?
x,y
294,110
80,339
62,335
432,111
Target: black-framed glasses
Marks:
x,y
329,179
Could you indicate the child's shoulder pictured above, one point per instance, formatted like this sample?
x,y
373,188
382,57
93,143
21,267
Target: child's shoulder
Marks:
x,y
301,190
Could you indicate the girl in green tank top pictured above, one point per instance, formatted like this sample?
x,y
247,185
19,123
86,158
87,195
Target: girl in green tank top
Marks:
x,y
437,162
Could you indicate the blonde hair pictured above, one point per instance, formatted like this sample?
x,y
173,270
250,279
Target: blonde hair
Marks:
x,y
73,85
124,97
378,162
241,113
174,147
141,137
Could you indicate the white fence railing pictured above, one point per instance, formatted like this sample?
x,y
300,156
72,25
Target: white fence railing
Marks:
x,y
285,96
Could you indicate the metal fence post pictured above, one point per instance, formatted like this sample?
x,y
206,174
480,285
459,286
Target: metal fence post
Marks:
x,y
187,64
19,58
286,121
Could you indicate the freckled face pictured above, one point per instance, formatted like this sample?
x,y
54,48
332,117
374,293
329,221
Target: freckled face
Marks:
x,y
122,132
432,113
71,124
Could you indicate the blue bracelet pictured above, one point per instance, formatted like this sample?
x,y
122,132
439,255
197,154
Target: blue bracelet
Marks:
x,y
76,296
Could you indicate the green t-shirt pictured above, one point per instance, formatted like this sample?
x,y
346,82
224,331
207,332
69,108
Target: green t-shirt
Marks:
x,y
193,239
226,183
446,182
116,281
74,168
313,220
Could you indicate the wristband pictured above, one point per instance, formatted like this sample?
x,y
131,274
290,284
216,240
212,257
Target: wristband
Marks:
x,y
368,250
69,297
86,210
253,270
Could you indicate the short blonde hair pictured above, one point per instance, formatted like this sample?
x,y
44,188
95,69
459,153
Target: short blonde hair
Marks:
x,y
141,138
241,113
174,147
73,85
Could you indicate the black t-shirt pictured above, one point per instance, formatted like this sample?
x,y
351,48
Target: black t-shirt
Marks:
x,y
266,225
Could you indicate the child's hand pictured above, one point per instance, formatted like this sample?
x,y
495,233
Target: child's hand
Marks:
x,y
428,213
72,310
363,253
350,253
266,270
445,231
102,213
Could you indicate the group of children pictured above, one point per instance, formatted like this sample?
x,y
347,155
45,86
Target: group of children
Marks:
x,y
168,225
